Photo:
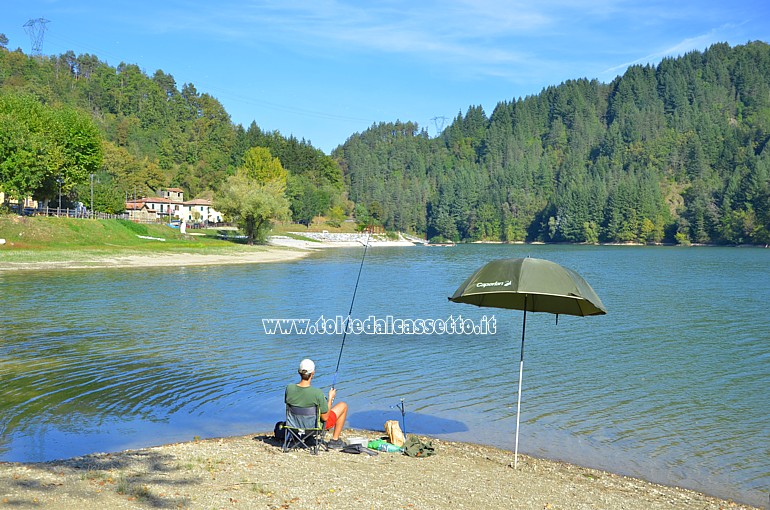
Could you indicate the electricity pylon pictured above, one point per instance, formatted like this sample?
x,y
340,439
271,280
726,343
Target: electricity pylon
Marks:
x,y
35,28
436,123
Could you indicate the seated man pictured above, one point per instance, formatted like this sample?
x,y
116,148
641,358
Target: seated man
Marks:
x,y
304,395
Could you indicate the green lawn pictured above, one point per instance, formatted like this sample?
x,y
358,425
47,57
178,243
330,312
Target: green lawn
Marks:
x,y
33,239
43,239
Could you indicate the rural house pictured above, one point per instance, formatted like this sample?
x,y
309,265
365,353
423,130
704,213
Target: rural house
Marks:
x,y
171,205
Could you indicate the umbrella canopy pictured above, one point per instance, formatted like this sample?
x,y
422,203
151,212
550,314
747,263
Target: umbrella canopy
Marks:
x,y
531,285
534,285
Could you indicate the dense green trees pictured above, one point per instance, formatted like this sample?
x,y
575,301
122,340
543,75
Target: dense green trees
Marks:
x,y
153,134
315,185
44,150
676,152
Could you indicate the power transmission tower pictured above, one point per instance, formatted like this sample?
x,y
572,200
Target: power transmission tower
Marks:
x,y
436,120
35,28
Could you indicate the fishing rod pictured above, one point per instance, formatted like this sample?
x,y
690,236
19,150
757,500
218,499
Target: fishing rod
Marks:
x,y
347,319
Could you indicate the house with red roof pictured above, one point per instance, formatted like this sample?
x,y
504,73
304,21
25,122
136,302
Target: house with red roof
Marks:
x,y
140,212
171,205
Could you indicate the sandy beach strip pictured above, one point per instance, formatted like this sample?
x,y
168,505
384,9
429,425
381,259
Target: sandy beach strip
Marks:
x,y
279,249
252,472
166,259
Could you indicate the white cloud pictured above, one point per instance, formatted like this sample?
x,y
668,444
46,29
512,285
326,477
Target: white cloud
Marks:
x,y
500,38
695,43
458,31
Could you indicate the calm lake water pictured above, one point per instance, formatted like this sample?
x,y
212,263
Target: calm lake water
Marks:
x,y
670,386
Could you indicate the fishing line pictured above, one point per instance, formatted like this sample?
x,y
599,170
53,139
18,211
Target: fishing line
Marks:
x,y
347,319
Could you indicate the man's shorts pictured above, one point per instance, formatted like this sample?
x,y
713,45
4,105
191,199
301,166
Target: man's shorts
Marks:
x,y
331,420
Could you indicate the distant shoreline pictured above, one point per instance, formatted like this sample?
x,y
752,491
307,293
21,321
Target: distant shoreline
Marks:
x,y
653,245
320,240
281,248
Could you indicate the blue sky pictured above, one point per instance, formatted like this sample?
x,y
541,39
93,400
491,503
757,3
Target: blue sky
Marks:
x,y
326,69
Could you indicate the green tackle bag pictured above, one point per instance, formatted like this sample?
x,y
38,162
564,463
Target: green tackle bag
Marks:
x,y
416,448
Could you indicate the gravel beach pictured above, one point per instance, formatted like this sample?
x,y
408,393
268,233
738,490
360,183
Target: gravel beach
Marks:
x,y
252,472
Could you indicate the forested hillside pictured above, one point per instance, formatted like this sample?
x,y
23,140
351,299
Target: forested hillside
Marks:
x,y
150,134
676,152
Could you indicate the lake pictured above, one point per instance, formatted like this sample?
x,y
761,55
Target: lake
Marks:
x,y
669,386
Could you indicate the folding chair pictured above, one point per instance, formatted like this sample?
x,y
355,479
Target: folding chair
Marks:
x,y
303,425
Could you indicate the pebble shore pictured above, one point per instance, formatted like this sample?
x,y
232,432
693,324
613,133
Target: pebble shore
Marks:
x,y
252,472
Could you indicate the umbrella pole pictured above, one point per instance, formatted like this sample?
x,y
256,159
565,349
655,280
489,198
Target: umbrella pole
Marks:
x,y
521,375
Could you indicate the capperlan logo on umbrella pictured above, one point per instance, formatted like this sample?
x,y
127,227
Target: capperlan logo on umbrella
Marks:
x,y
494,284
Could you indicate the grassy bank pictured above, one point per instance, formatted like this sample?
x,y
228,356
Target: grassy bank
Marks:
x,y
42,239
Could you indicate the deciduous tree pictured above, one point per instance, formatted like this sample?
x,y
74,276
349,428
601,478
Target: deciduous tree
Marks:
x,y
254,196
44,150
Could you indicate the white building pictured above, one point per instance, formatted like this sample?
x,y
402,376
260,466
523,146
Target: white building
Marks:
x,y
200,210
172,206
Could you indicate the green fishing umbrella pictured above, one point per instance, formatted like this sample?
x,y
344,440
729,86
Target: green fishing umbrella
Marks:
x,y
531,285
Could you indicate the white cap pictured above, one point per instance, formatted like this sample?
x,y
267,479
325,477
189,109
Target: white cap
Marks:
x,y
307,366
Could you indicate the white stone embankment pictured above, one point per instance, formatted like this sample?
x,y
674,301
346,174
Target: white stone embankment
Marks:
x,y
318,240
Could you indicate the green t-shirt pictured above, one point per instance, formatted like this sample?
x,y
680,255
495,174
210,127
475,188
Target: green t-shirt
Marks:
x,y
308,396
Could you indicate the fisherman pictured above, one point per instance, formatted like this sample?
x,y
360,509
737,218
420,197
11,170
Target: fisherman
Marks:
x,y
303,394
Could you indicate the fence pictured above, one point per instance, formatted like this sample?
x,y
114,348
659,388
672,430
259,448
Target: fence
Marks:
x,y
64,212
83,213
